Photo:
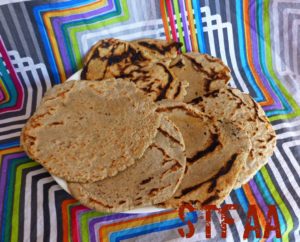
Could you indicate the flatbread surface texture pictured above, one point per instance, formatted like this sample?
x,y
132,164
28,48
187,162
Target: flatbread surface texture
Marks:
x,y
216,152
131,60
89,130
239,108
203,73
152,179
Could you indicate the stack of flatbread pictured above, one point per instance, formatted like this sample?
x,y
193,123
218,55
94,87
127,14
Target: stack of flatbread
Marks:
x,y
149,126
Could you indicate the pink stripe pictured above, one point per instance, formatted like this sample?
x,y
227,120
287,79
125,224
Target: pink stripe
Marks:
x,y
75,227
172,21
15,79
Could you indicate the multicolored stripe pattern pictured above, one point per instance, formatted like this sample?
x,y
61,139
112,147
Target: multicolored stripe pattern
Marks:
x,y
239,33
42,43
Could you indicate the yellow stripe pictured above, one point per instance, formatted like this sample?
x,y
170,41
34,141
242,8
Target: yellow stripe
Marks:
x,y
60,13
6,95
192,26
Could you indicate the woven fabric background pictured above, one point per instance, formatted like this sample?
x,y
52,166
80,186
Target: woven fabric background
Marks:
x,y
42,43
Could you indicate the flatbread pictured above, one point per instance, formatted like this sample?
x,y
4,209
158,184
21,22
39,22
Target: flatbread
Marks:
x,y
234,106
153,179
110,57
89,130
115,58
160,49
204,73
215,150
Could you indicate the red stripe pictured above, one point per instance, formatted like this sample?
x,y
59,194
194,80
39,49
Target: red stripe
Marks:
x,y
15,79
172,21
75,228
65,219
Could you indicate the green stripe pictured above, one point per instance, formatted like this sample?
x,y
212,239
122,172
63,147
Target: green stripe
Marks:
x,y
9,86
84,223
10,190
16,202
9,196
4,91
71,29
69,208
267,33
273,190
179,24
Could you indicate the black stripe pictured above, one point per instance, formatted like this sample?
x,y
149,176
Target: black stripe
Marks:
x,y
47,222
34,219
60,197
22,200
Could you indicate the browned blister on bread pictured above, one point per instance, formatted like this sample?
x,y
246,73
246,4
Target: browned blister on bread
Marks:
x,y
89,130
239,108
215,150
203,73
153,179
160,49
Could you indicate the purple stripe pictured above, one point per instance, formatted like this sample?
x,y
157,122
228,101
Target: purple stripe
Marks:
x,y
185,27
3,175
59,21
261,202
255,52
95,221
258,197
78,217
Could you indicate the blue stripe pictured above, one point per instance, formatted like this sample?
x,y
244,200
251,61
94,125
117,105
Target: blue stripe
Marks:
x,y
10,144
269,198
288,108
199,26
243,58
66,26
38,16
240,194
150,228
8,82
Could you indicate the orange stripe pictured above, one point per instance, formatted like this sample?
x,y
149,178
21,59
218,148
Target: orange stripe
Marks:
x,y
269,100
65,218
50,31
165,19
11,150
191,25
252,200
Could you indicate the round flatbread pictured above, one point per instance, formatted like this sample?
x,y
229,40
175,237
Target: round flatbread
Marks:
x,y
237,107
89,130
215,151
204,73
152,179
115,58
160,49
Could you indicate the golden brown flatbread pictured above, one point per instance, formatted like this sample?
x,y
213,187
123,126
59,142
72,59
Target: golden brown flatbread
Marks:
x,y
239,108
215,151
204,73
85,131
115,58
152,179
